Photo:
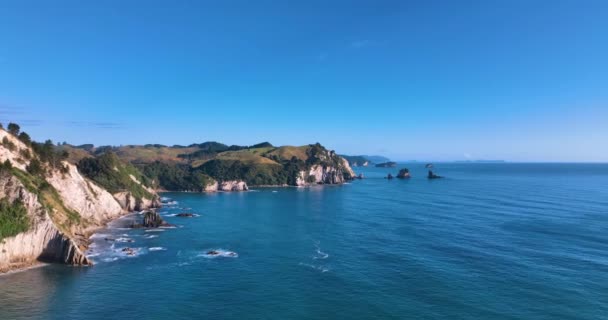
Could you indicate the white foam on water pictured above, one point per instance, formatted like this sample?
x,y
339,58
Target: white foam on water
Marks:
x,y
110,259
220,253
123,239
155,230
274,191
99,236
322,269
151,236
156,248
167,227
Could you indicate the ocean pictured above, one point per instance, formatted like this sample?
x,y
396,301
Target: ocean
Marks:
x,y
489,241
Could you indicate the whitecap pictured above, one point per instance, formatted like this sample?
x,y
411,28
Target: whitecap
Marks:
x,y
151,236
156,248
110,259
314,267
219,253
155,230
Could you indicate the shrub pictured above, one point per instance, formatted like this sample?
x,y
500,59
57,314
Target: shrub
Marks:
x,y
13,218
13,128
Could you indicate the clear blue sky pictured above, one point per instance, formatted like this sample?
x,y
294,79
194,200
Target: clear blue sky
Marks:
x,y
428,80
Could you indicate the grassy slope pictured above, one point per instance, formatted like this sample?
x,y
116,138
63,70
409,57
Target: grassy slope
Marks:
x,y
142,154
62,216
248,156
288,152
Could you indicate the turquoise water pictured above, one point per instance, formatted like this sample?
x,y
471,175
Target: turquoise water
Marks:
x,y
491,241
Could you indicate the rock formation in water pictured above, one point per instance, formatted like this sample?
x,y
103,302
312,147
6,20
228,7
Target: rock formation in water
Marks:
x,y
337,172
403,174
389,176
152,220
431,175
60,207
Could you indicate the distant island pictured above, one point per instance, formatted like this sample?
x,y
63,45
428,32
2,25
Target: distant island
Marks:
x,y
480,161
364,161
389,164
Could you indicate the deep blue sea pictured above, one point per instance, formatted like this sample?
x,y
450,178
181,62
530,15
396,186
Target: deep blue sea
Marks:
x,y
490,241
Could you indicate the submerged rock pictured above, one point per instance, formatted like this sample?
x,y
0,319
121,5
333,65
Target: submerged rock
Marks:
x,y
185,215
403,174
433,176
390,176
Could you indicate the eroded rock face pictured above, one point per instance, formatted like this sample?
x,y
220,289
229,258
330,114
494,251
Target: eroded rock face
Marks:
x,y
15,156
213,187
152,220
83,196
128,202
234,185
42,241
320,174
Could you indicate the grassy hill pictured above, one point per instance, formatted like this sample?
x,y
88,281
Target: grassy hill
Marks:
x,y
189,168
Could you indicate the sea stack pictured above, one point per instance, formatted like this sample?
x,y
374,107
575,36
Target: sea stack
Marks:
x,y
152,220
404,174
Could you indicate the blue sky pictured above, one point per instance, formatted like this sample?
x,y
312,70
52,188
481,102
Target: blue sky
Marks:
x,y
427,80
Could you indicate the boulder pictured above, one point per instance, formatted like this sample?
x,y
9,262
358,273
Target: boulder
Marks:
x,y
404,174
390,176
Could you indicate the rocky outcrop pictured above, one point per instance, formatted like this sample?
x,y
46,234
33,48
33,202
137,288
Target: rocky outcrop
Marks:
x,y
16,155
43,241
128,202
232,185
403,174
152,220
83,196
390,176
62,209
431,175
325,174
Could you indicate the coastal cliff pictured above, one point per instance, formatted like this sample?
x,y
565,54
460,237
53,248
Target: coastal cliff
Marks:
x,y
48,208
326,174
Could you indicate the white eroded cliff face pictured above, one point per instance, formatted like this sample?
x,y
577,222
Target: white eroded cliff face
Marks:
x,y
15,156
42,241
83,196
325,174
232,185
63,208
129,202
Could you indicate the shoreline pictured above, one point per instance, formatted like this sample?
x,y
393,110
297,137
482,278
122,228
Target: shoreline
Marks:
x,y
33,264
260,187
23,267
